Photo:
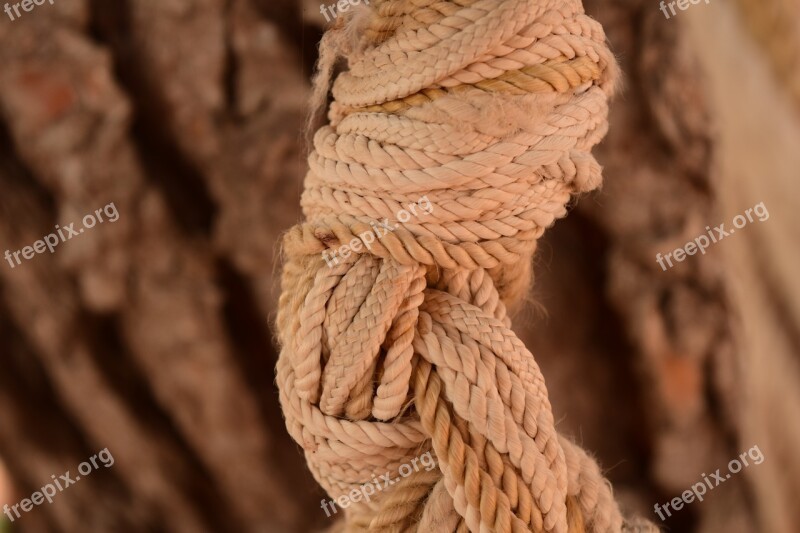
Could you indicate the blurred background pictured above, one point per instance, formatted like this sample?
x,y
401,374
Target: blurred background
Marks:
x,y
152,335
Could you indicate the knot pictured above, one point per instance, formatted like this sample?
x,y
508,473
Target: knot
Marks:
x,y
486,110
459,132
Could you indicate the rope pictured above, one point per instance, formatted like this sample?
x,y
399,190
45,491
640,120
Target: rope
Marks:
x,y
402,345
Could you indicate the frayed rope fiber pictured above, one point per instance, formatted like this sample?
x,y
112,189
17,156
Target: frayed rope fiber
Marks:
x,y
403,345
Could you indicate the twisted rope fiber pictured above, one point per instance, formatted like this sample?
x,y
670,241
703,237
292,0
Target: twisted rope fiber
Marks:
x,y
488,109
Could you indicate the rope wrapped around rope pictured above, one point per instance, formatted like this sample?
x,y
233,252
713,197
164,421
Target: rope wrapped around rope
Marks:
x,y
400,345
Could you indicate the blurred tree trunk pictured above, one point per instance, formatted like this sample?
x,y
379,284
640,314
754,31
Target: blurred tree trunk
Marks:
x,y
150,336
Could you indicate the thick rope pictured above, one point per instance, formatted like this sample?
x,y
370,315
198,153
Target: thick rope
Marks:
x,y
487,109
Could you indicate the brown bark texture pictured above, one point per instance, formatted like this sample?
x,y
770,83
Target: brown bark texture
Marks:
x,y
151,335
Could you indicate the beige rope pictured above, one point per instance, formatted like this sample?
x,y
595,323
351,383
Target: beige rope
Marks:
x,y
488,109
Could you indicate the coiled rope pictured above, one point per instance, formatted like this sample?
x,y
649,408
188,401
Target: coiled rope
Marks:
x,y
489,109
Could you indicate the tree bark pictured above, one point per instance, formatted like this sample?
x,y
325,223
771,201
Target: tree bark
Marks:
x,y
151,335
